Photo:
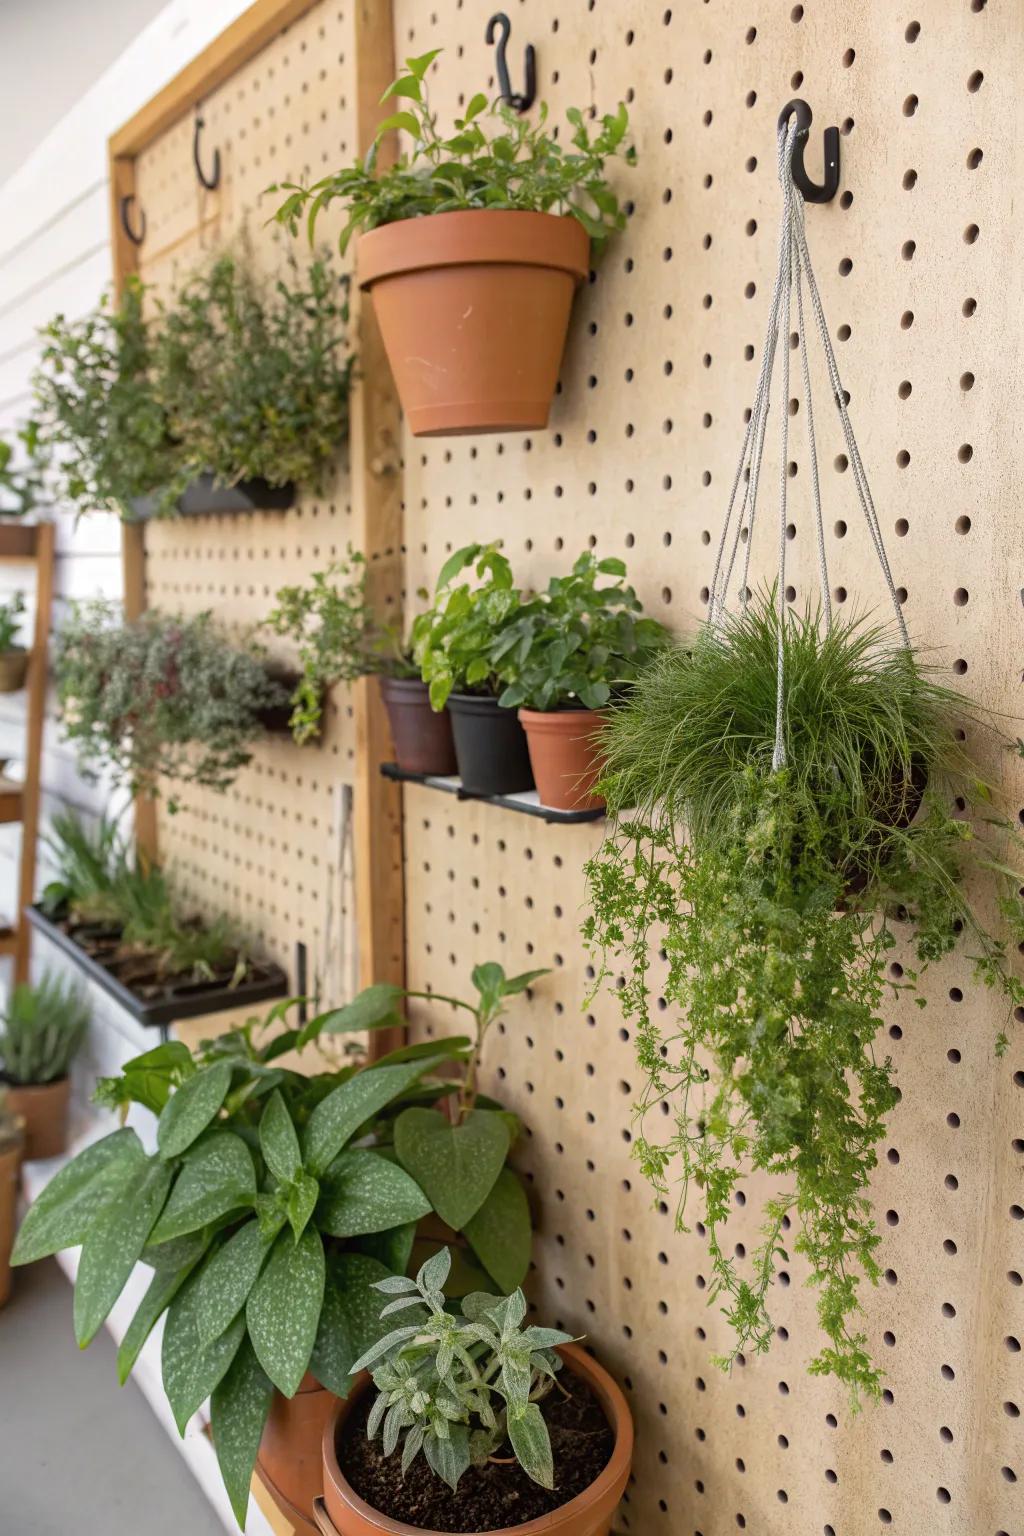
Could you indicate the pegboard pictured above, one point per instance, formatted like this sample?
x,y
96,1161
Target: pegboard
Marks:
x,y
919,268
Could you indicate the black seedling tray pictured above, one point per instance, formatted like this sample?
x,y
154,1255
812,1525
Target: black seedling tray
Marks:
x,y
187,1000
527,803
203,497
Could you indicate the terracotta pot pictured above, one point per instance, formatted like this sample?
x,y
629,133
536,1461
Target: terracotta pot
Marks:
x,y
565,756
13,667
473,308
44,1108
422,736
590,1513
290,1457
490,746
10,1162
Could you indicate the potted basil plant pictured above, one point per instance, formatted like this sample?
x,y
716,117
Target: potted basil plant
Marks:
x,y
562,662
473,245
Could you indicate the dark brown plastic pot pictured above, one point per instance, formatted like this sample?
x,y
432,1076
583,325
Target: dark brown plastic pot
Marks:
x,y
474,308
290,1457
490,746
565,755
10,1162
13,669
422,736
44,1109
590,1513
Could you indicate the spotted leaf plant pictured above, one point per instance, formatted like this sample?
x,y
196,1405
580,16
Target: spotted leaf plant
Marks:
x,y
458,1385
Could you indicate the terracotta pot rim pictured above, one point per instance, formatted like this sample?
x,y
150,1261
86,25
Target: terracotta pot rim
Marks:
x,y
473,237
608,1393
560,720
53,1082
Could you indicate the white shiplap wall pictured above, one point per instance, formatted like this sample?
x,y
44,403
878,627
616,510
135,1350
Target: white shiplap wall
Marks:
x,y
55,257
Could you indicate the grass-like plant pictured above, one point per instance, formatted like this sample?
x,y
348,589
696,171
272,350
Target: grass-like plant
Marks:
x,y
163,696
330,620
494,159
42,1030
776,898
87,861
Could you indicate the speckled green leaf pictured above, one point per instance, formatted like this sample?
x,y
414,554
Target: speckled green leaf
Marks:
x,y
62,1214
217,1176
362,1192
529,1437
278,1140
501,1232
164,1286
190,1372
393,1249
283,1310
455,1165
338,1116
238,1413
350,1321
302,1199
189,1111
224,1286
179,1251
113,1244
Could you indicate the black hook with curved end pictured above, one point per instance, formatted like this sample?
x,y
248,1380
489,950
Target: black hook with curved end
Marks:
x,y
813,193
212,181
524,102
136,236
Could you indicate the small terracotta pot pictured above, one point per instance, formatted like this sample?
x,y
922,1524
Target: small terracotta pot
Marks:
x,y
44,1108
10,1162
473,308
290,1455
490,746
13,668
422,736
590,1513
565,756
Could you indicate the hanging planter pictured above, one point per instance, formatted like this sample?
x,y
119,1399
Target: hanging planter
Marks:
x,y
783,792
205,495
472,247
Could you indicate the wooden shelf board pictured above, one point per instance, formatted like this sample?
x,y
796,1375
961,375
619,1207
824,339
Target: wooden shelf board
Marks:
x,y
18,541
12,798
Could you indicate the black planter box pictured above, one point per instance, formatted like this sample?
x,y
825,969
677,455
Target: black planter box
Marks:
x,y
176,1001
203,497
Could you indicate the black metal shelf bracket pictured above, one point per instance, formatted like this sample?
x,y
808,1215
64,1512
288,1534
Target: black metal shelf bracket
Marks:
x,y
812,192
518,102
523,805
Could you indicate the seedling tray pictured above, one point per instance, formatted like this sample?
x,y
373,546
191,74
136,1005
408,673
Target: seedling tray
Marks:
x,y
172,1002
203,496
527,803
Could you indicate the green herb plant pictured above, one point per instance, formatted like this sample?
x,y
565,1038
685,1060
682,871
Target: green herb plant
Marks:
x,y
456,1386
330,620
494,159
777,899
163,696
12,612
21,485
254,377
42,1030
577,643
455,640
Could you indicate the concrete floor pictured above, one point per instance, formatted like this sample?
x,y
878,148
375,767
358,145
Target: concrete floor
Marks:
x,y
78,1453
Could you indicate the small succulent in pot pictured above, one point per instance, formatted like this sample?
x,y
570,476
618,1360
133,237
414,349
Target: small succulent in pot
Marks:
x,y
13,657
41,1032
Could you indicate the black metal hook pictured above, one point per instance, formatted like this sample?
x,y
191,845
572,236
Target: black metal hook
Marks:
x,y
524,102
212,181
813,193
135,236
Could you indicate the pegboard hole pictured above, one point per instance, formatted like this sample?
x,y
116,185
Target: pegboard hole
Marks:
x,y
963,524
969,308
906,319
839,529
971,234
974,159
902,527
907,249
975,80
961,597
910,106
845,267
913,32
909,180
965,453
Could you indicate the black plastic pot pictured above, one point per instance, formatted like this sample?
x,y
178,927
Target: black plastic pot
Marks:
x,y
490,746
203,496
276,718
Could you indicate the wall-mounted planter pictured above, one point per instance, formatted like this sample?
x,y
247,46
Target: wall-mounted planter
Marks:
x,y
474,308
13,669
44,1109
490,746
422,736
565,757
154,1000
204,496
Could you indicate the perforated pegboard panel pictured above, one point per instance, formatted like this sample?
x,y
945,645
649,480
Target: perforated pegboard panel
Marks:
x,y
274,851
921,278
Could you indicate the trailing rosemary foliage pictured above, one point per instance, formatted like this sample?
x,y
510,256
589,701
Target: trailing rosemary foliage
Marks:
x,y
776,898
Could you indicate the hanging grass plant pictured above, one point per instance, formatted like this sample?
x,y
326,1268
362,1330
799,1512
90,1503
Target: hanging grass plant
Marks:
x,y
776,897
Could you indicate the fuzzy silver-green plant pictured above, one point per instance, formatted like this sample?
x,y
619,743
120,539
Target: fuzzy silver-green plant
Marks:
x,y
42,1031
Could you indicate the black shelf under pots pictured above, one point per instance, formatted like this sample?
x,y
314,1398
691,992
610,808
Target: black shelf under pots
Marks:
x,y
174,1002
526,803
204,496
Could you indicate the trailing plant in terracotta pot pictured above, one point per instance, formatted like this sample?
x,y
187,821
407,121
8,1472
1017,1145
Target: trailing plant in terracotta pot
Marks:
x,y
472,246
13,657
12,1140
777,897
563,661
476,1412
453,643
163,696
41,1032
330,622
